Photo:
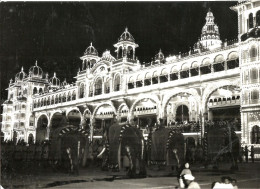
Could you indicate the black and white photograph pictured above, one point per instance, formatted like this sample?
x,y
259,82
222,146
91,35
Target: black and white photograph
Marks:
x,y
130,94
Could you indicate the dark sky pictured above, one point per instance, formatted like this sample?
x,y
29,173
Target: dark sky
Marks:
x,y
57,33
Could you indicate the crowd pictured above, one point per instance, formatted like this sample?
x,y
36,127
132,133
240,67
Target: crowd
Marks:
x,y
187,180
235,124
184,127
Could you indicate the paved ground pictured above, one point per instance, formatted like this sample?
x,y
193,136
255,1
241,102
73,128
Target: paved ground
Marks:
x,y
248,176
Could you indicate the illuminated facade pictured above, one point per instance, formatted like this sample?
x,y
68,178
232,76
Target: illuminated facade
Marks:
x,y
214,81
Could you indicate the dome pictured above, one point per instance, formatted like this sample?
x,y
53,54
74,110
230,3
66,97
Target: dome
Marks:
x,y
107,56
91,51
20,76
54,81
126,36
210,28
159,56
35,71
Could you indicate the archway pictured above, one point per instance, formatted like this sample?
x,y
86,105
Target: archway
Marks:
x,y
58,119
181,107
103,119
30,139
41,130
146,112
255,135
74,117
86,117
123,113
224,104
182,113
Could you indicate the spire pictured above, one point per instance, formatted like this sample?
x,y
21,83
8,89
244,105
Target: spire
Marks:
x,y
54,75
22,69
91,44
36,63
126,29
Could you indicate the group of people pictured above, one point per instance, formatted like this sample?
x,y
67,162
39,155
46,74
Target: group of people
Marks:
x,y
235,124
245,152
187,180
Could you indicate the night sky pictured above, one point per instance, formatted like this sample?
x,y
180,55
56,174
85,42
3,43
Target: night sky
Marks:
x,y
57,33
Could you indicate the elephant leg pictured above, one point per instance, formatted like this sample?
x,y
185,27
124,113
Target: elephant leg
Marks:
x,y
132,161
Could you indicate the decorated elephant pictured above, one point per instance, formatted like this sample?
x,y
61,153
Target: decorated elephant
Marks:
x,y
126,149
166,148
222,144
69,148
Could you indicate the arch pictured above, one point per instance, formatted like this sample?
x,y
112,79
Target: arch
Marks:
x,y
121,107
253,52
98,86
142,97
258,18
107,85
74,95
194,64
86,111
250,21
184,66
212,88
71,109
174,69
40,90
253,75
139,77
176,91
205,62
82,90
41,127
69,96
164,72
30,138
100,105
219,58
117,82
148,75
35,90
155,74
182,113
131,80
232,55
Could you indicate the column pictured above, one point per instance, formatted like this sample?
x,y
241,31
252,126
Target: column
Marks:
x,y
133,53
47,137
210,115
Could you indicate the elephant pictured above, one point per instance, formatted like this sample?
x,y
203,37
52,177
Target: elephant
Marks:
x,y
69,148
166,147
222,143
126,141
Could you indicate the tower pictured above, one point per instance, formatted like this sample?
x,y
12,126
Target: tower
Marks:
x,y
210,38
89,58
248,36
125,48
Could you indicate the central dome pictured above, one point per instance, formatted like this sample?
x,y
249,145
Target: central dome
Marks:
x,y
126,36
35,71
91,51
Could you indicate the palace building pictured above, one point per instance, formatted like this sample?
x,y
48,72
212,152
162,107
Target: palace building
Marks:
x,y
216,81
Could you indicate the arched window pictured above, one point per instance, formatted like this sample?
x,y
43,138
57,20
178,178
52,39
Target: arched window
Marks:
x,y
255,135
253,75
69,97
98,86
64,97
56,99
82,91
182,113
251,23
117,83
40,91
255,95
45,102
60,100
90,90
52,100
107,86
253,53
35,90
30,139
258,18
74,95
49,101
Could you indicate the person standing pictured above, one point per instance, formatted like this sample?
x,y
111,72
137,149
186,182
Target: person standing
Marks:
x,y
252,154
246,153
